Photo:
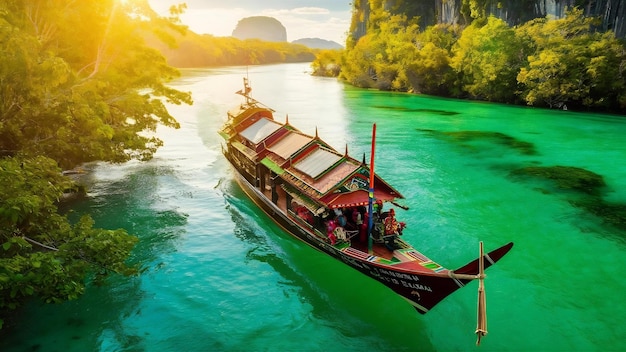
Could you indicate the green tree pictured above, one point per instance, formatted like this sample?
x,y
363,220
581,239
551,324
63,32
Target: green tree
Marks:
x,y
430,71
81,98
486,59
381,58
357,66
572,64
195,50
42,254
67,99
327,63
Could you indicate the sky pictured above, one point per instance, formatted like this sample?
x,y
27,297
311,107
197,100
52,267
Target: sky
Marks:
x,y
326,19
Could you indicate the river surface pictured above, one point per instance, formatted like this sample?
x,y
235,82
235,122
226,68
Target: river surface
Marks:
x,y
218,275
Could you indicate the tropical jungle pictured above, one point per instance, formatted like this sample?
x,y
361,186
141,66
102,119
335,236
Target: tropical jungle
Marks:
x,y
484,50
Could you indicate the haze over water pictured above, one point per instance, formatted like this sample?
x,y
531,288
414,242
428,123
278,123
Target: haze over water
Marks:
x,y
220,276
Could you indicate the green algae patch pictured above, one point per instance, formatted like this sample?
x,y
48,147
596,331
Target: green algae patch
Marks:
x,y
473,138
614,214
495,137
420,110
587,187
566,177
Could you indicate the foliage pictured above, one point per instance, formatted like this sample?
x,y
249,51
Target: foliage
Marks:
x,y
357,63
381,59
42,254
195,50
81,98
77,84
544,62
485,59
572,64
397,56
430,71
327,63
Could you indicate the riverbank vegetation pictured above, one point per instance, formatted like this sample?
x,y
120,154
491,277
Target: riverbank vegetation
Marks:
x,y
79,85
194,50
562,63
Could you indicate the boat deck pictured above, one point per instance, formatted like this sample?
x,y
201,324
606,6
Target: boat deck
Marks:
x,y
405,258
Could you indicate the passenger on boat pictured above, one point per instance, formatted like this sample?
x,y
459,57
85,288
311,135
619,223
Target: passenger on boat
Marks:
x,y
378,208
331,225
305,214
359,225
341,218
393,229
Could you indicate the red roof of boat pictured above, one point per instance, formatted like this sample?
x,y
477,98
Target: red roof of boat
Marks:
x,y
355,198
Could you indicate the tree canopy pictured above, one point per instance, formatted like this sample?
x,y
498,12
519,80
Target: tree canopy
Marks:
x,y
194,50
77,84
79,98
567,62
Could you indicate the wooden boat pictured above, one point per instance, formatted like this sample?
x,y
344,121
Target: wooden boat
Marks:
x,y
336,204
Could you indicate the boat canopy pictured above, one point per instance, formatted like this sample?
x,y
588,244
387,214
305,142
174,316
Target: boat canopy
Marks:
x,y
260,130
290,144
356,198
317,162
314,174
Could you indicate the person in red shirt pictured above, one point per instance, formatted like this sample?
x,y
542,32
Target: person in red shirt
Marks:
x,y
391,224
393,228
331,225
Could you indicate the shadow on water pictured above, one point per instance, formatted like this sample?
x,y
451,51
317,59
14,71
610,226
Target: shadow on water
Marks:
x,y
360,317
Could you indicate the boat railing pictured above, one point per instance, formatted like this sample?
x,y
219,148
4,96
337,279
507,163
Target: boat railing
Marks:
x,y
344,234
299,219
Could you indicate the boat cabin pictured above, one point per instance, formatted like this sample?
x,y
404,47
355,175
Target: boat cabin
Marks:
x,y
321,189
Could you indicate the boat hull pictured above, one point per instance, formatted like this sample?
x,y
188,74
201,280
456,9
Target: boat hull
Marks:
x,y
423,290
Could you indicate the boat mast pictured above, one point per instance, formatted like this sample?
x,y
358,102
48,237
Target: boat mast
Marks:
x,y
246,88
370,207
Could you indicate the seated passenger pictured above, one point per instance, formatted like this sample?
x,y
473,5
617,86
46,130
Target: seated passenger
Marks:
x,y
393,228
331,225
341,218
391,224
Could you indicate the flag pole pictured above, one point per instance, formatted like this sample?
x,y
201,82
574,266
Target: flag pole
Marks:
x,y
370,208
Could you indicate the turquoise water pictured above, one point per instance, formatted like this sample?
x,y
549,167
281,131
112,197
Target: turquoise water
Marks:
x,y
220,276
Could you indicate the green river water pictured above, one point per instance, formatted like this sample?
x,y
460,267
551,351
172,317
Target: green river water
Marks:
x,y
220,276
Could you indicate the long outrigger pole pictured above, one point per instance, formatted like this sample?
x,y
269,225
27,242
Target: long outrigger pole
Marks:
x,y
370,207
481,316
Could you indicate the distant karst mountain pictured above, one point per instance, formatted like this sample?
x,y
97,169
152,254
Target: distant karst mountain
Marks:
x,y
317,43
260,27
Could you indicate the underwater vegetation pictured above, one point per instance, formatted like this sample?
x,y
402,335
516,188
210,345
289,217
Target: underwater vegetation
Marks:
x,y
582,188
427,111
465,138
566,177
586,185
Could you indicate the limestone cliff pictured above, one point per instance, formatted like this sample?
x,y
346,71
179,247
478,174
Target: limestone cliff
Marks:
x,y
612,13
260,27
